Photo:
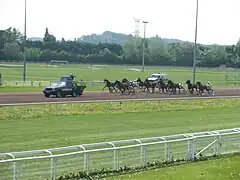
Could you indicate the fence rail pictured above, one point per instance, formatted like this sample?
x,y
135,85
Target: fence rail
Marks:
x,y
51,163
41,84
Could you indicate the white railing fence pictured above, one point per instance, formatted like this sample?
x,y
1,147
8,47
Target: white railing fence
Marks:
x,y
51,163
42,84
45,83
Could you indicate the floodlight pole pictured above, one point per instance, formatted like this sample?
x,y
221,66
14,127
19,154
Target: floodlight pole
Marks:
x,y
24,43
143,45
195,46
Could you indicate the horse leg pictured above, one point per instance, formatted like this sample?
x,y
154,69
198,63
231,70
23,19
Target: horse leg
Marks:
x,y
114,89
175,90
121,90
129,90
208,92
133,90
164,92
153,89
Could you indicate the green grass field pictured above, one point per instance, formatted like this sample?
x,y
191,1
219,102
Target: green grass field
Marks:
x,y
34,127
222,169
48,126
38,72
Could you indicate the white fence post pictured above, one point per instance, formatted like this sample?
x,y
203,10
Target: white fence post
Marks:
x,y
117,159
194,148
219,144
141,151
145,156
166,151
19,170
169,152
85,161
114,155
52,165
14,170
14,165
191,149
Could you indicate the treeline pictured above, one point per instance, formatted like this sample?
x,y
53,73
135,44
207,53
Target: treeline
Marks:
x,y
157,51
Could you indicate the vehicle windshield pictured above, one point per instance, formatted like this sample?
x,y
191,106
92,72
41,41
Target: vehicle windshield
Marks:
x,y
57,84
154,76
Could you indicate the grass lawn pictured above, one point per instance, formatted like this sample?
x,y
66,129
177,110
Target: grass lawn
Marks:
x,y
48,126
39,72
222,169
34,127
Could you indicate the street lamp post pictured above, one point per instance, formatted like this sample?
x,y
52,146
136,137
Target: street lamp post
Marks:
x,y
24,43
143,45
195,46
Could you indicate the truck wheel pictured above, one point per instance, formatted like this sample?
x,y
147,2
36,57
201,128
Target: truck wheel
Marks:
x,y
47,95
59,95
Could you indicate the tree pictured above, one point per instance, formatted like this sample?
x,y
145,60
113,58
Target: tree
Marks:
x,y
49,37
12,51
33,54
2,39
12,35
158,51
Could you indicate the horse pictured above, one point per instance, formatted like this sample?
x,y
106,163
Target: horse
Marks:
x,y
116,85
191,87
144,84
210,90
140,83
181,86
133,84
163,86
173,87
151,84
124,86
203,87
124,80
109,85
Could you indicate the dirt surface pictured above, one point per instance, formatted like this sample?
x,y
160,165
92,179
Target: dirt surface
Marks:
x,y
9,98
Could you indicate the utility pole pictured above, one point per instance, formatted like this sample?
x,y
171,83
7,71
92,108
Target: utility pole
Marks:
x,y
143,45
24,43
195,46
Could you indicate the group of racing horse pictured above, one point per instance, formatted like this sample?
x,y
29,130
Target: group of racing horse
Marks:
x,y
166,87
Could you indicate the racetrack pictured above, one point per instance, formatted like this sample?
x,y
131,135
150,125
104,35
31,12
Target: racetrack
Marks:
x,y
12,98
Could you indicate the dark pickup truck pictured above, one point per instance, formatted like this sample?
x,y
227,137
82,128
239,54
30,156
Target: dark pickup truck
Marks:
x,y
66,87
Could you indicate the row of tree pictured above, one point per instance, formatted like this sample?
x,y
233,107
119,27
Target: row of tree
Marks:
x,y
157,51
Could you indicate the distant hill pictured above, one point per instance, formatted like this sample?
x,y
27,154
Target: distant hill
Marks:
x,y
110,37
118,38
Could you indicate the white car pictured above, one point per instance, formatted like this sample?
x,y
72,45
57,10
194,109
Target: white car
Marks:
x,y
156,76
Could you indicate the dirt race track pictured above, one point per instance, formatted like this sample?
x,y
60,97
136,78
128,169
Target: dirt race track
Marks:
x,y
9,98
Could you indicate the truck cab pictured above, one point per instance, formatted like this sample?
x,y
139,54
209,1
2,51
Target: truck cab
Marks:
x,y
157,76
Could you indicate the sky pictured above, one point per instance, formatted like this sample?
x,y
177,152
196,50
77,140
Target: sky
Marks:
x,y
218,20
